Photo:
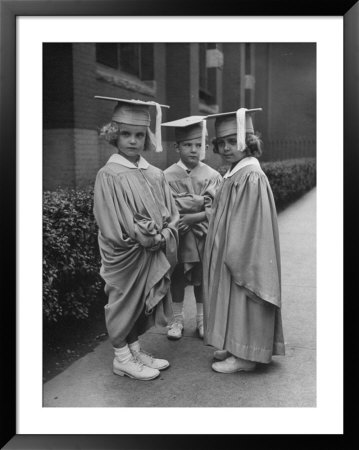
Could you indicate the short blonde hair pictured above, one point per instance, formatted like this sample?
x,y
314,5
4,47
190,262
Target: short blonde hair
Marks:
x,y
110,132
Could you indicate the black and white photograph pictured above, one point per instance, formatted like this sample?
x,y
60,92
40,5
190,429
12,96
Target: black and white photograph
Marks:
x,y
179,218
175,224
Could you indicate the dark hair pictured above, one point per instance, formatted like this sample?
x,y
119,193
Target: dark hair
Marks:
x,y
254,145
110,132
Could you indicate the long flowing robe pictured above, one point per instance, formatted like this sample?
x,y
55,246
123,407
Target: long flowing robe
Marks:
x,y
241,267
193,192
131,205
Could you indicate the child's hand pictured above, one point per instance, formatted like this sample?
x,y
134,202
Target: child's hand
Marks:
x,y
159,241
183,229
186,220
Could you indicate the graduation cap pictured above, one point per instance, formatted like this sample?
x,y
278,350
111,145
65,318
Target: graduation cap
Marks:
x,y
235,122
191,127
136,112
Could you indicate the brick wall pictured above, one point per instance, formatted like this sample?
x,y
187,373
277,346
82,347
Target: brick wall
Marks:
x,y
58,101
58,158
286,89
84,86
182,65
87,156
73,154
233,76
293,89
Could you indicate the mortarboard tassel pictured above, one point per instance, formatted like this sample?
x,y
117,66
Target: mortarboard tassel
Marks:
x,y
202,154
158,128
241,129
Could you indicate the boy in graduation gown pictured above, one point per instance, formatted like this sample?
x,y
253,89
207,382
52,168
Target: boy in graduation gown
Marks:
x,y
193,185
137,219
241,268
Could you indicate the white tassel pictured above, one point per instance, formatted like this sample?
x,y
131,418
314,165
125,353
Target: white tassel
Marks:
x,y
202,154
158,128
241,129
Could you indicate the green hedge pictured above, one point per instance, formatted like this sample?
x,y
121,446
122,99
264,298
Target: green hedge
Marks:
x,y
289,179
71,260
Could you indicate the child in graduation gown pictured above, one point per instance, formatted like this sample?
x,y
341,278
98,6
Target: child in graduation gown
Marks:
x,y
241,267
193,185
137,219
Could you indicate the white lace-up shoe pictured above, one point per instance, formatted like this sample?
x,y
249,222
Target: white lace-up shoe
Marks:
x,y
148,360
175,330
134,369
221,355
233,364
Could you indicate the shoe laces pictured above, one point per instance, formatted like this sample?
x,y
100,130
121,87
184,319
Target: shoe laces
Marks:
x,y
147,354
144,353
137,361
176,324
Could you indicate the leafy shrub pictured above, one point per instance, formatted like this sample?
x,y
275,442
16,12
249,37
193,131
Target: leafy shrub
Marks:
x,y
289,179
71,260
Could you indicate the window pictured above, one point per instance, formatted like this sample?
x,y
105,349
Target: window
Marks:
x,y
130,58
107,54
134,59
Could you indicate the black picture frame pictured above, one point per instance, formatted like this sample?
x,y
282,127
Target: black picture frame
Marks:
x,y
9,10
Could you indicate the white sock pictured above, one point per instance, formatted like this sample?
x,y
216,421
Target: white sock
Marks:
x,y
199,307
134,347
177,309
123,354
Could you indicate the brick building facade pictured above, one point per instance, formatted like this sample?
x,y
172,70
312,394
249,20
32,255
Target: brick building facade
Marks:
x,y
193,78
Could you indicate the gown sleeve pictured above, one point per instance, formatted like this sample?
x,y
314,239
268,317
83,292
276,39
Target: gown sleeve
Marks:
x,y
170,231
189,203
119,225
208,194
252,248
112,213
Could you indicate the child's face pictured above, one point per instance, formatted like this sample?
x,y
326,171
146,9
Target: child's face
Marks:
x,y
189,151
227,147
131,140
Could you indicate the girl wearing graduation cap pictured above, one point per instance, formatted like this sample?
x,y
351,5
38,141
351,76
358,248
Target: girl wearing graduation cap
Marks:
x,y
193,185
137,219
241,267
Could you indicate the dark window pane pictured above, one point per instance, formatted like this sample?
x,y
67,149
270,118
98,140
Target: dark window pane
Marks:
x,y
202,66
107,54
130,58
147,62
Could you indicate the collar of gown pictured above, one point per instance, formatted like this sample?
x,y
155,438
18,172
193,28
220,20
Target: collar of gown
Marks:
x,y
183,166
242,163
119,159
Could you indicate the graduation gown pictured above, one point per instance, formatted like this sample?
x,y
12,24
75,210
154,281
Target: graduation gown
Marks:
x,y
131,205
241,267
193,192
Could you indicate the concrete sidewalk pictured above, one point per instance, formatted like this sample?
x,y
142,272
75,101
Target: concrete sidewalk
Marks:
x,y
289,381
